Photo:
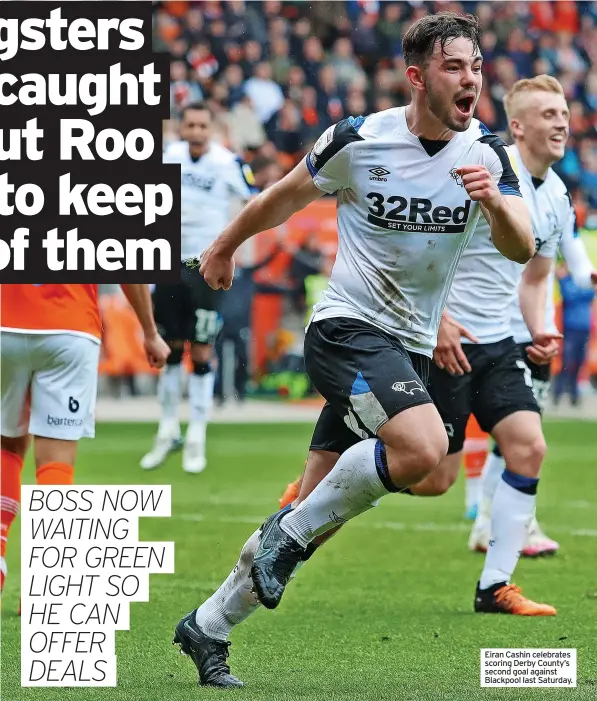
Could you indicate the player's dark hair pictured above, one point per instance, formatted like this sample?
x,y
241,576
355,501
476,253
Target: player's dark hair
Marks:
x,y
419,40
198,105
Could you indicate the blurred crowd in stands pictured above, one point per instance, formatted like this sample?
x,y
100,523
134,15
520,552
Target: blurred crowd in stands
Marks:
x,y
277,74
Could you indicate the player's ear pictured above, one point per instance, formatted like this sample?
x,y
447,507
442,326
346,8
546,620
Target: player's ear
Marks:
x,y
416,78
516,128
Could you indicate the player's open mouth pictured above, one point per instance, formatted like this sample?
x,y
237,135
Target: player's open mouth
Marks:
x,y
557,138
465,105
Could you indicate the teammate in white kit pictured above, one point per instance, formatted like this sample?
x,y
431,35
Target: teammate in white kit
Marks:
x,y
539,120
410,185
211,176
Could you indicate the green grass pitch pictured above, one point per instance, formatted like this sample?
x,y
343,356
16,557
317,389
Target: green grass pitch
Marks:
x,y
384,611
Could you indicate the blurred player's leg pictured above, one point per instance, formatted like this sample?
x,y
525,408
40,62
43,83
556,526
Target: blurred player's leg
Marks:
x,y
63,393
15,379
367,471
49,386
203,326
54,460
171,316
204,632
476,447
492,472
201,388
168,438
291,492
523,445
349,362
536,542
12,453
242,340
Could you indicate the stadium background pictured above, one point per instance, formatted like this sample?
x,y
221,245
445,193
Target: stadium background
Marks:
x,y
277,74
385,613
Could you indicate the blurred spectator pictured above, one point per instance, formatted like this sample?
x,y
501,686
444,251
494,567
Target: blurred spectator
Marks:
x,y
364,39
591,91
235,79
182,90
313,57
244,127
194,27
236,328
203,61
576,307
334,59
313,125
285,129
245,22
307,260
330,97
588,174
266,95
390,28
343,61
267,171
280,59
520,50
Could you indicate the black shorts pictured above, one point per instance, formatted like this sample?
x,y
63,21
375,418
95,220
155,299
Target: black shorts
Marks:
x,y
497,386
540,376
189,309
366,377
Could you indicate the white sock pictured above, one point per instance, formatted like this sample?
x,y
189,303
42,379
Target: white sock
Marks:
x,y
201,394
511,514
490,478
352,487
472,491
235,600
170,392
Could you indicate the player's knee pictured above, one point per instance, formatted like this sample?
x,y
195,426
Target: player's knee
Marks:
x,y
201,352
537,450
17,445
526,457
430,455
201,368
422,459
440,482
175,357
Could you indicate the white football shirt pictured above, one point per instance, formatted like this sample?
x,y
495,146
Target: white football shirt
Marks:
x,y
554,221
404,219
207,186
484,294
580,266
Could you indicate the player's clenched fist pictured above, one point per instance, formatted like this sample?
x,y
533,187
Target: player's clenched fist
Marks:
x,y
479,184
156,350
217,268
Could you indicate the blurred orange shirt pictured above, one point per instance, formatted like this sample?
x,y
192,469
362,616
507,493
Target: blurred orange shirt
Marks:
x,y
51,309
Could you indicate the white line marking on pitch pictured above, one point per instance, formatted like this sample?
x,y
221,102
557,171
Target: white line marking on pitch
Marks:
x,y
377,525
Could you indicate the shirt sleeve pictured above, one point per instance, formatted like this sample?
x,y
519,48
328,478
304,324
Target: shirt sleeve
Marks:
x,y
549,249
240,179
502,166
574,252
329,160
170,156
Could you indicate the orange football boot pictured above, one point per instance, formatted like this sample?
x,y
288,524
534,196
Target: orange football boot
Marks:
x,y
508,598
291,493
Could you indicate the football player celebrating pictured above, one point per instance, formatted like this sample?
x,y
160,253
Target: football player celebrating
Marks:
x,y
411,183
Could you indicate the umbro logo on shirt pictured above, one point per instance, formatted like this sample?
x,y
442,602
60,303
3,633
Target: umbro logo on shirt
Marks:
x,y
378,174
